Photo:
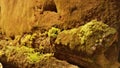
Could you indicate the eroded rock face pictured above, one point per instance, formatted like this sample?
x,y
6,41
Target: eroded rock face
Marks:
x,y
77,12
72,14
48,19
65,14
16,16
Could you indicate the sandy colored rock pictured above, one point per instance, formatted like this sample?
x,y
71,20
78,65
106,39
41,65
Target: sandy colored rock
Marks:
x,y
71,13
77,12
48,19
16,16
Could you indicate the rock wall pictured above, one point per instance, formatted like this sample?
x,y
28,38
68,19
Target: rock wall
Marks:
x,y
63,14
16,16
78,12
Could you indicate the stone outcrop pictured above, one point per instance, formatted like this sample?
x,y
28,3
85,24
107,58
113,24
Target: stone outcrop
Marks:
x,y
93,45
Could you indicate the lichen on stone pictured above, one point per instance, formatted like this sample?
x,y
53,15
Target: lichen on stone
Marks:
x,y
24,54
27,39
88,37
36,57
53,32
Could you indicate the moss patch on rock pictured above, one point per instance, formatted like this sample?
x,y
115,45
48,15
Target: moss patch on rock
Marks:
x,y
30,50
53,32
24,56
87,38
29,53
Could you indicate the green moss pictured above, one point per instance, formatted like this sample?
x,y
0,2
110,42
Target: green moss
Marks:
x,y
28,55
27,39
33,57
87,37
53,32
66,36
36,57
95,28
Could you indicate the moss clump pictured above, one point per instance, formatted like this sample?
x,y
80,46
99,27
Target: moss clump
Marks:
x,y
27,39
87,37
65,37
95,28
36,57
53,32
23,54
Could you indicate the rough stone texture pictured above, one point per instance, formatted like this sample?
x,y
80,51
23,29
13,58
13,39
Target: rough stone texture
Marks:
x,y
52,63
73,13
48,19
93,45
46,14
82,59
16,16
67,13
13,56
77,12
